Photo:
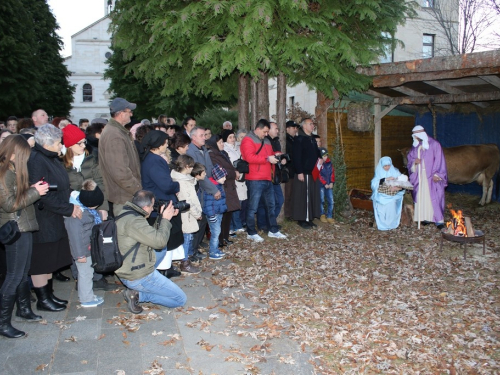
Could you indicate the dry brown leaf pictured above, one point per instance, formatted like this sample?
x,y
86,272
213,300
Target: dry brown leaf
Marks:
x,y
42,367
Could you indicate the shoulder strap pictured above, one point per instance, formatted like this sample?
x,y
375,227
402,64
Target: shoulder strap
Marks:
x,y
261,145
134,248
127,213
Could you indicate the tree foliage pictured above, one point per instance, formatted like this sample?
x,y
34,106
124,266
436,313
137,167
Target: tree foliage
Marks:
x,y
32,72
193,45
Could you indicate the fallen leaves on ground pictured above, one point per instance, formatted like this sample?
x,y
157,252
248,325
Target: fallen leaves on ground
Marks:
x,y
41,367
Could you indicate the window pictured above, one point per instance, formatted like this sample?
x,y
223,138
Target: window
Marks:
x,y
291,101
427,3
87,92
428,46
388,51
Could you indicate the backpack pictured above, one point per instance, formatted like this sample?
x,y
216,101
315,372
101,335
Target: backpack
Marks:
x,y
106,256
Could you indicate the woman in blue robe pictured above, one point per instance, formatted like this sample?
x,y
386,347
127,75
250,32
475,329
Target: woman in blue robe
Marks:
x,y
387,208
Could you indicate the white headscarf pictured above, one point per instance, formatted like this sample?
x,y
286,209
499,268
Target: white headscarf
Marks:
x,y
420,132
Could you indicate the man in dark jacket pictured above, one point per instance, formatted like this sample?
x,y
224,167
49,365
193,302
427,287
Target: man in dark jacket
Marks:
x,y
306,191
138,272
291,132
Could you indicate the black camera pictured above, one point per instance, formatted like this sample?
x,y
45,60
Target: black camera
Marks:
x,y
284,156
181,205
52,187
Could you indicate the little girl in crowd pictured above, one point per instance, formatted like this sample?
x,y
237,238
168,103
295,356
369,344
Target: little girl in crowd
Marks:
x,y
182,174
79,232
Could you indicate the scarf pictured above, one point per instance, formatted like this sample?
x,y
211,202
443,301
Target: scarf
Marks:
x,y
420,132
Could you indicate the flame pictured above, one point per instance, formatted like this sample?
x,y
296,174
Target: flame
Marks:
x,y
457,224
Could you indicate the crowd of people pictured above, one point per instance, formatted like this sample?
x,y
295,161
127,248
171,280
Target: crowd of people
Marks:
x,y
168,187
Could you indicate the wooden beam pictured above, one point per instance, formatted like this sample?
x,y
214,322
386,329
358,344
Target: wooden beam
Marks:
x,y
442,99
445,87
394,80
492,80
407,91
436,64
384,112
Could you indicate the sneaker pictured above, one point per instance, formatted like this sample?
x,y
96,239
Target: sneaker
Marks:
x,y
241,230
331,220
102,284
323,219
255,238
278,234
95,302
187,267
217,256
132,298
231,232
303,224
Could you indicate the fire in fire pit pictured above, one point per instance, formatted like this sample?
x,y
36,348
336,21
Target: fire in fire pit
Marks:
x,y
459,225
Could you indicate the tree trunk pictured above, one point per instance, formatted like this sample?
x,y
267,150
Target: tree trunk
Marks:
x,y
243,106
322,105
281,121
253,103
263,96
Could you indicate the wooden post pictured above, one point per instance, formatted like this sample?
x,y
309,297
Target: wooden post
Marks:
x,y
281,121
243,104
377,139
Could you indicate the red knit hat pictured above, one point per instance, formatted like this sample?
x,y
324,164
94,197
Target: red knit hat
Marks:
x,y
72,135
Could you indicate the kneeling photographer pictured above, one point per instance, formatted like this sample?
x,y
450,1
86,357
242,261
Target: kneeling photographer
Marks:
x,y
137,241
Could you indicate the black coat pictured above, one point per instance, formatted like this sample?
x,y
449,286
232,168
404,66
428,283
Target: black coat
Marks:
x,y
51,207
289,150
305,154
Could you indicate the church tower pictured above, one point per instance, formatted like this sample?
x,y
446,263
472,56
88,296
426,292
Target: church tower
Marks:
x,y
109,5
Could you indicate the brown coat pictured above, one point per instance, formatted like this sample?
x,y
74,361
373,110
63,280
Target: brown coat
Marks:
x,y
232,200
119,163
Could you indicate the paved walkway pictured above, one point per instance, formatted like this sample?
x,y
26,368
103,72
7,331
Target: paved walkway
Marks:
x,y
214,333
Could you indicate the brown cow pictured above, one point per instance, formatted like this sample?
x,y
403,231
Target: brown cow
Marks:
x,y
469,163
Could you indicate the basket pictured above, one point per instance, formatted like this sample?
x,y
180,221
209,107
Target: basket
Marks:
x,y
359,117
360,198
386,189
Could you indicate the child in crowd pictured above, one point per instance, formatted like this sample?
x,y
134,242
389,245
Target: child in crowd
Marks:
x,y
327,179
182,174
79,232
214,208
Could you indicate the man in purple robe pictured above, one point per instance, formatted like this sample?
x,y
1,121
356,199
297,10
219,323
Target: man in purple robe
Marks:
x,y
428,175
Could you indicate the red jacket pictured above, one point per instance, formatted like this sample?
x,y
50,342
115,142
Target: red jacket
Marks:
x,y
260,167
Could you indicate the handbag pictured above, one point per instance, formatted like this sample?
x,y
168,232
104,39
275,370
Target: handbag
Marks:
x,y
281,175
9,232
241,165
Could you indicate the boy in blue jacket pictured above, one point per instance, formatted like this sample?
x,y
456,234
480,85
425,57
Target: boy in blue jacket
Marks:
x,y
327,179
214,208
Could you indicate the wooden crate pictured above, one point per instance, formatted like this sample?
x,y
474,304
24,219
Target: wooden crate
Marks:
x,y
360,198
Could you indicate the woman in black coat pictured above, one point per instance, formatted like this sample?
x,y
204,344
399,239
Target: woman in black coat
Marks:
x,y
50,244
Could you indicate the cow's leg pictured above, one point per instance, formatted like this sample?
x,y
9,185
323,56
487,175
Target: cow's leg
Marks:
x,y
485,193
490,192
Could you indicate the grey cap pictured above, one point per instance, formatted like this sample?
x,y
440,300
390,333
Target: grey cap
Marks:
x,y
323,151
99,120
120,104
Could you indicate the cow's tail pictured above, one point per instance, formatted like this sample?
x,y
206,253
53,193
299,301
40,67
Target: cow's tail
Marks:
x,y
497,189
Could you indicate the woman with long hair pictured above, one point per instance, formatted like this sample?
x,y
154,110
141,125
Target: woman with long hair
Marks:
x,y
16,203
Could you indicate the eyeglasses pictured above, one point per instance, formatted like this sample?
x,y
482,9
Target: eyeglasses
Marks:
x,y
82,143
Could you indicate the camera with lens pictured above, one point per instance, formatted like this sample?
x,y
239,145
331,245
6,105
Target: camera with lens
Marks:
x,y
286,157
52,187
181,205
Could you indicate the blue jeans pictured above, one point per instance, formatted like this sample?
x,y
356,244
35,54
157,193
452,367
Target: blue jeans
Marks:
x,y
256,190
328,194
262,221
214,232
157,289
188,238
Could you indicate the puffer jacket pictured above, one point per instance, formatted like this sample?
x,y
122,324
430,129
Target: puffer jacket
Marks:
x,y
89,170
133,229
212,206
259,165
26,219
187,192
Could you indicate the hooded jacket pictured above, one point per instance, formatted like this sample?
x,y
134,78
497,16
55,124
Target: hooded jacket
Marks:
x,y
259,165
187,192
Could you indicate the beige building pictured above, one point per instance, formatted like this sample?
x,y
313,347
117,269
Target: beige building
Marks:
x,y
421,37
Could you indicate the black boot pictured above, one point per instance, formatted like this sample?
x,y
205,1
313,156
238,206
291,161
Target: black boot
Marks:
x,y
6,307
24,303
60,277
45,302
52,296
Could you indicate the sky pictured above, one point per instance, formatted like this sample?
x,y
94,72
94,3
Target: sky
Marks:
x,y
73,16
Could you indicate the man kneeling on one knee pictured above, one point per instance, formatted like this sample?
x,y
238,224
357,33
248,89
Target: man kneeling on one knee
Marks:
x,y
137,241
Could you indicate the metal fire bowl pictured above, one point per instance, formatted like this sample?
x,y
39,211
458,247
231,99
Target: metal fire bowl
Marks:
x,y
479,237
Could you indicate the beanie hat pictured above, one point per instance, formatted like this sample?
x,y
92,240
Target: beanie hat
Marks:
x,y
91,198
323,151
72,134
218,172
225,134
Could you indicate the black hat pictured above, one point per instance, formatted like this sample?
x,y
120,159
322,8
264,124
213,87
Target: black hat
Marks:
x,y
225,134
154,139
91,198
323,151
291,124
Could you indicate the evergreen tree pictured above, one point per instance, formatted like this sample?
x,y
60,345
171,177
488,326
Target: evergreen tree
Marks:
x,y
19,79
32,72
318,42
